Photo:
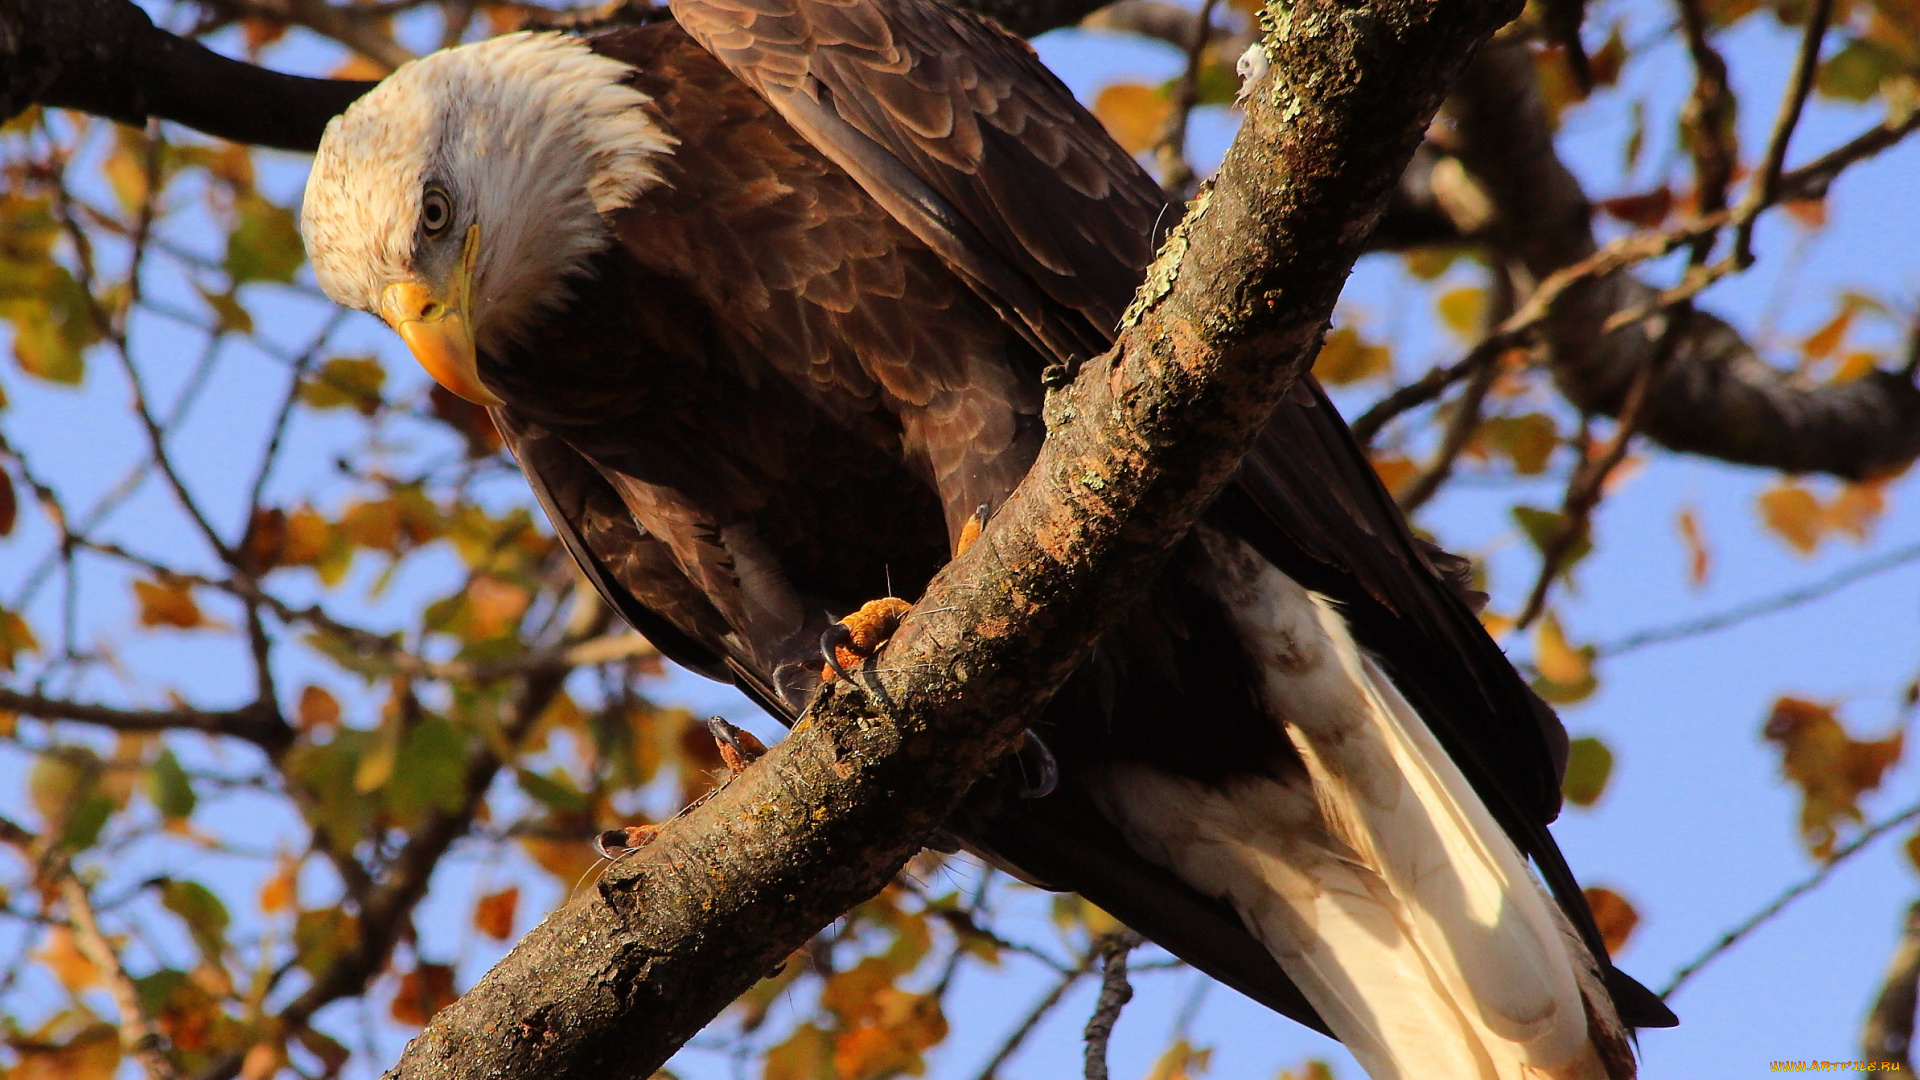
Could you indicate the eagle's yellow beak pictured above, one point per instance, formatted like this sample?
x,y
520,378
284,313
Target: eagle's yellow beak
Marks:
x,y
434,325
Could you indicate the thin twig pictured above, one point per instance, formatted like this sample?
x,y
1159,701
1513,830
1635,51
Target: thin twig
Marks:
x,y
1459,434
1588,484
139,1037
1115,992
1800,888
1015,1039
1176,172
1766,187
1754,609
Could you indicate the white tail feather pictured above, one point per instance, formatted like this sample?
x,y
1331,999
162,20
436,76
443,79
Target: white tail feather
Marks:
x,y
1377,878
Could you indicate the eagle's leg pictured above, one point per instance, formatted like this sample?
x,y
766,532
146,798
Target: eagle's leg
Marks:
x,y
738,746
849,642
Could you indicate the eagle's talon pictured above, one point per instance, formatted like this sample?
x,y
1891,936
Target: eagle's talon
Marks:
x,y
738,746
852,640
1043,762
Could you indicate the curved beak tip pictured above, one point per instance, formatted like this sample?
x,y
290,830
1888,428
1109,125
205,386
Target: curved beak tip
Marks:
x,y
437,333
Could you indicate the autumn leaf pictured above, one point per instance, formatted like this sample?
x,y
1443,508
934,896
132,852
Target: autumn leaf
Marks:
x,y
423,991
1394,470
806,1054
168,603
899,1028
1589,767
493,913
1134,114
1831,768
1615,917
62,956
1311,1070
91,1054
1345,358
170,789
1822,342
15,638
318,711
1647,209
281,891
1181,1061
1464,310
1699,558
346,382
1566,672
9,504
323,936
1528,441
264,244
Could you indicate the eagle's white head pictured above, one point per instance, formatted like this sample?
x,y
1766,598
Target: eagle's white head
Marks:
x,y
456,198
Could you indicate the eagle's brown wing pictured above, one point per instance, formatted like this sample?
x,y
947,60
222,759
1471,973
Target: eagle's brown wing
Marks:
x,y
957,129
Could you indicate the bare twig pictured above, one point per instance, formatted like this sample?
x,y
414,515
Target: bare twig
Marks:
x,y
1766,186
1428,387
1794,892
1754,609
1048,1001
1115,992
252,723
1176,172
139,1038
1589,482
1460,431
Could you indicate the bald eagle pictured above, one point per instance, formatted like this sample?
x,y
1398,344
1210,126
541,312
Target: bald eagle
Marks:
x,y
761,299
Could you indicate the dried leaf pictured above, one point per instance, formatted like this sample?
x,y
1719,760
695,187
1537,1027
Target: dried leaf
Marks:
x,y
282,890
806,1054
1394,470
1589,767
93,1054
1615,917
15,638
423,991
1792,513
1181,1061
1134,114
1822,342
1856,509
1648,209
9,504
323,936
1699,558
1345,358
494,606
167,604
902,1026
1528,441
1831,768
493,913
1314,1069
62,956
318,712
265,544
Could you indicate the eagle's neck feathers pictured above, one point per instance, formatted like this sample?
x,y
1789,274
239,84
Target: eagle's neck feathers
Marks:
x,y
533,136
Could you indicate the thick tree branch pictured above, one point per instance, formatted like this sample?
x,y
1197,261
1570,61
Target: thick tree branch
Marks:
x,y
1887,1036
1138,446
1717,396
257,724
106,57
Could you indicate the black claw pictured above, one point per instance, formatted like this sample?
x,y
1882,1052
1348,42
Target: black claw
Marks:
x,y
836,635
1043,762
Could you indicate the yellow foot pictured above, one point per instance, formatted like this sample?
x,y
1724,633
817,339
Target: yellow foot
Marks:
x,y
738,747
971,530
849,642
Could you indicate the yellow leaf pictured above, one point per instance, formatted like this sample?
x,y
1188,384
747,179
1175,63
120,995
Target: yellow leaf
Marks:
x,y
567,860
1589,767
308,537
1134,114
167,604
1181,1061
346,382
1830,767
360,67
495,606
16,637
1615,917
1394,470
1464,310
1854,366
805,1055
1699,559
1556,659
1793,514
93,1054
1312,1070
1527,441
1345,358
282,890
902,1027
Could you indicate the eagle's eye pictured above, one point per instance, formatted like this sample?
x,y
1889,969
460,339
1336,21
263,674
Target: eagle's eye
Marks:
x,y
436,211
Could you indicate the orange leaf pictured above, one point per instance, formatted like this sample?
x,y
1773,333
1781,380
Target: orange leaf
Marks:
x,y
1134,114
495,605
1793,514
1856,508
1699,559
167,604
319,711
1615,917
1831,768
1822,342
1808,213
902,1026
68,964
493,914
359,67
282,890
423,991
308,536
1394,470
1647,209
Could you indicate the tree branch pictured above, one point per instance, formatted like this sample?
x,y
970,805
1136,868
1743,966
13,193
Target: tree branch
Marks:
x,y
257,724
1887,1037
1138,446
1717,396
